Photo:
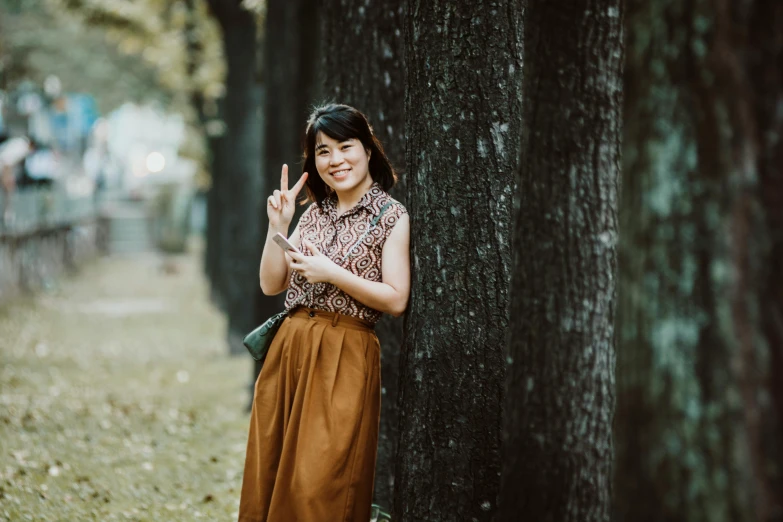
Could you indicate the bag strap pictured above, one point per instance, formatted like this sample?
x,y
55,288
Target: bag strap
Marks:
x,y
369,229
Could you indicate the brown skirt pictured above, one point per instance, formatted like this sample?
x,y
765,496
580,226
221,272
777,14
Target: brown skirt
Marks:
x,y
314,424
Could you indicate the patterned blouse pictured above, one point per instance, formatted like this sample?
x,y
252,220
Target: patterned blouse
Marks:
x,y
334,236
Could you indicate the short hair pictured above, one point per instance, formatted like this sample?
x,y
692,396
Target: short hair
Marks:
x,y
341,123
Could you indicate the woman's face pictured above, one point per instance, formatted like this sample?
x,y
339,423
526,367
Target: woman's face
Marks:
x,y
343,165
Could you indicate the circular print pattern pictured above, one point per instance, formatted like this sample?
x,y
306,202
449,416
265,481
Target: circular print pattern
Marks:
x,y
334,235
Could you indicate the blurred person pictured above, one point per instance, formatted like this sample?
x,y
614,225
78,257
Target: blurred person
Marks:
x,y
313,434
39,167
7,186
12,153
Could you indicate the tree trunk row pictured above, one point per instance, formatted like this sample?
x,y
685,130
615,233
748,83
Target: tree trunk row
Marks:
x,y
560,387
700,307
699,331
463,64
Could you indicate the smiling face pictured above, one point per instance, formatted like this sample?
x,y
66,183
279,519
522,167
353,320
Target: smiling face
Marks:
x,y
342,165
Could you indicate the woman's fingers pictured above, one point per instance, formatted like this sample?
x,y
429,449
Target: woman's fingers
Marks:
x,y
311,247
298,257
281,199
299,184
299,267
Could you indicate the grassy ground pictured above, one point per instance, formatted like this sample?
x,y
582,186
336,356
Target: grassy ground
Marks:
x,y
118,401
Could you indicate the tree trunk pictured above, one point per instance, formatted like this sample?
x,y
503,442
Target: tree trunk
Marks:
x,y
290,66
194,50
371,41
212,233
238,194
560,385
697,428
766,75
462,110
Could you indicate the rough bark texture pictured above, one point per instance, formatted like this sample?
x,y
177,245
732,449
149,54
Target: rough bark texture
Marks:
x,y
698,428
765,69
462,112
369,38
560,385
238,193
290,67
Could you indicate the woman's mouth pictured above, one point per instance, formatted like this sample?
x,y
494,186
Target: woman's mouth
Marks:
x,y
340,174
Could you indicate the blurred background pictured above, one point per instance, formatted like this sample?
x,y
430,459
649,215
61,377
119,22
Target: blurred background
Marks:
x,y
139,140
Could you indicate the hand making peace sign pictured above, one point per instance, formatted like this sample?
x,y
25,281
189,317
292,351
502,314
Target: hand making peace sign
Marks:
x,y
280,205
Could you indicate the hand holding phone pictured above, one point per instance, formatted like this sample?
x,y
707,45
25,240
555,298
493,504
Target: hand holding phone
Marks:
x,y
284,243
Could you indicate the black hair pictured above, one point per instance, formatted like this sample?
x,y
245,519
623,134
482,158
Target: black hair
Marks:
x,y
342,122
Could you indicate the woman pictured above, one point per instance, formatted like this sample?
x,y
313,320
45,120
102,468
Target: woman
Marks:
x,y
314,423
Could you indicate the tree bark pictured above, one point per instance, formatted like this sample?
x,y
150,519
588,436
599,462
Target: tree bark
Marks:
x,y
698,428
238,194
560,386
371,41
765,70
462,111
212,233
194,50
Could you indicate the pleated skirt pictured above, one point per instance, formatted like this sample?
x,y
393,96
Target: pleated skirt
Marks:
x,y
314,424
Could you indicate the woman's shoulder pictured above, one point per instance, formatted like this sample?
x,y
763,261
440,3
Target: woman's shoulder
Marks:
x,y
394,207
394,211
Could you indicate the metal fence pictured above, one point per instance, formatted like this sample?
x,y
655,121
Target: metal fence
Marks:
x,y
30,209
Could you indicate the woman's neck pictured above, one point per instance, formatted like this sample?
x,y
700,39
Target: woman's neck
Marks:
x,y
346,200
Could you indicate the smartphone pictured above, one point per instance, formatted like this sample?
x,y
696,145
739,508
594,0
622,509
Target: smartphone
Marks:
x,y
284,243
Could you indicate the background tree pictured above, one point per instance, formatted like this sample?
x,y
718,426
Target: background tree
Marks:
x,y
698,425
362,65
462,110
560,387
238,191
290,71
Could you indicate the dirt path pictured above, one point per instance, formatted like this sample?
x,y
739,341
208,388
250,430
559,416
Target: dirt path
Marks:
x,y
117,400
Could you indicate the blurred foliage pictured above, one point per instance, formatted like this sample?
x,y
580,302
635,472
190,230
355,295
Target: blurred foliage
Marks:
x,y
147,50
259,8
35,43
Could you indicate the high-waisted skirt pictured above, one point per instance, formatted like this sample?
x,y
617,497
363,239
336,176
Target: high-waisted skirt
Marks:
x,y
314,423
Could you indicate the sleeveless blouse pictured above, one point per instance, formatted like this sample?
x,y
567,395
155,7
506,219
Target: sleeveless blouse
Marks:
x,y
334,236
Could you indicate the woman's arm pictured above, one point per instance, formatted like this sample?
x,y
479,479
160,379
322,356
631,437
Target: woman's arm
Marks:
x,y
389,296
275,269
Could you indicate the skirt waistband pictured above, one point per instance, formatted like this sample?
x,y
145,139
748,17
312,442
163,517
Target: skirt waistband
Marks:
x,y
333,318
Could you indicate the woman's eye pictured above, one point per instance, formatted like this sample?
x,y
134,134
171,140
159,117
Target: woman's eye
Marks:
x,y
346,146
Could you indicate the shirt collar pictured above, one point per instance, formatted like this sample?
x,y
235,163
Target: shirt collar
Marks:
x,y
366,202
